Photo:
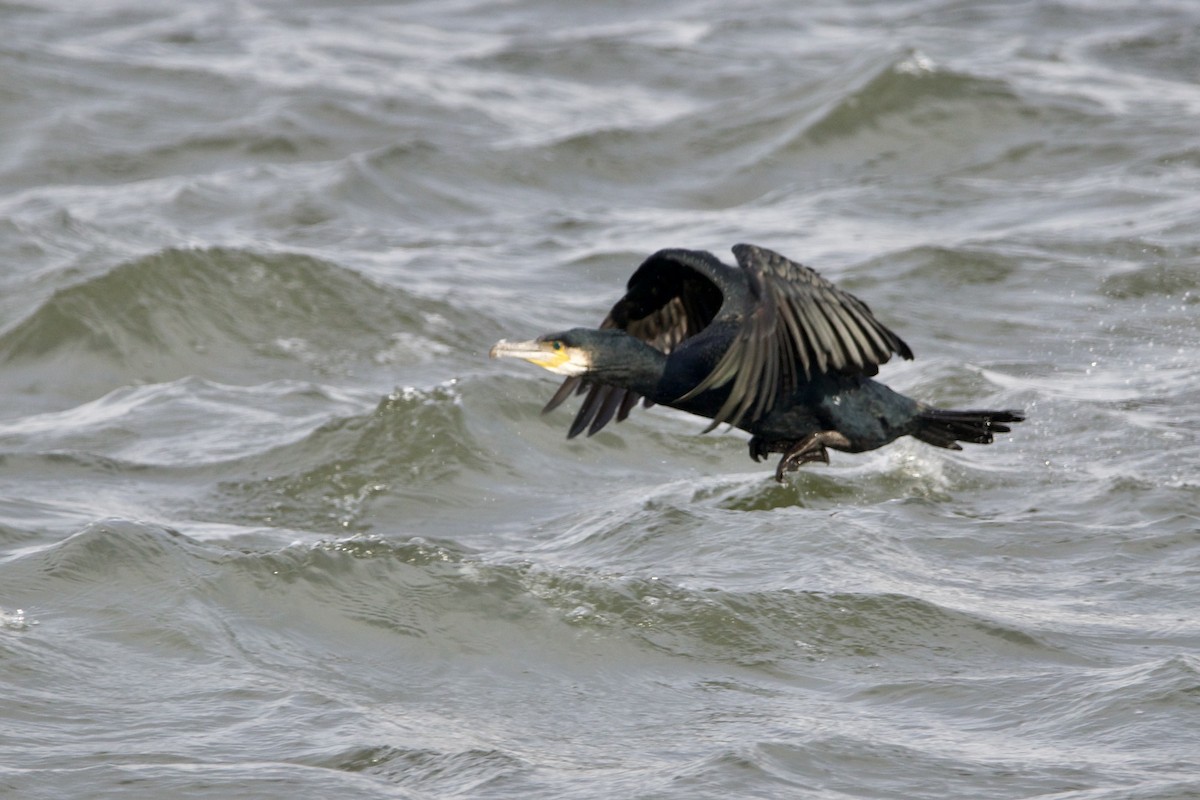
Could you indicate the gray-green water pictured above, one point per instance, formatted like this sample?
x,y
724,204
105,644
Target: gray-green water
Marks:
x,y
271,525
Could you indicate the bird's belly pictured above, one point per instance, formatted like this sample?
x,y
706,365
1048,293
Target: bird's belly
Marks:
x,y
790,424
867,413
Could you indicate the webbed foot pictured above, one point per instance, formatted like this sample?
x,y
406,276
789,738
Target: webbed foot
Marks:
x,y
802,451
807,450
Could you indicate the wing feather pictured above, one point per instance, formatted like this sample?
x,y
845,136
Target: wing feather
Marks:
x,y
591,404
569,387
611,401
795,325
671,297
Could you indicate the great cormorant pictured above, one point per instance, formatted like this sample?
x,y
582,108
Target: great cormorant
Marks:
x,y
768,346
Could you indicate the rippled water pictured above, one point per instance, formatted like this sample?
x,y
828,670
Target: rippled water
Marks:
x,y
271,525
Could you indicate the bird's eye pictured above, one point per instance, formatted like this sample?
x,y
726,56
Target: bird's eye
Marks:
x,y
556,345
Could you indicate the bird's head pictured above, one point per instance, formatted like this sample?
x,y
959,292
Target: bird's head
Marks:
x,y
579,351
568,353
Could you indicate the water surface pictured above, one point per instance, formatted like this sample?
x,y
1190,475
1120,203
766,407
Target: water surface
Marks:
x,y
272,525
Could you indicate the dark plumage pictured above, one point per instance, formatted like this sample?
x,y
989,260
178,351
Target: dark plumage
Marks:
x,y
768,346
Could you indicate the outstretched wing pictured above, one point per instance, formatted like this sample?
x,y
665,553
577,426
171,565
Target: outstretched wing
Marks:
x,y
795,325
672,296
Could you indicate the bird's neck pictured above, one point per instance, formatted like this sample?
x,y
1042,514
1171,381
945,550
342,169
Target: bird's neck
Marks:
x,y
629,363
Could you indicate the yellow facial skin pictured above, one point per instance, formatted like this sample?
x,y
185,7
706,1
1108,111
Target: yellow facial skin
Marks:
x,y
552,355
552,358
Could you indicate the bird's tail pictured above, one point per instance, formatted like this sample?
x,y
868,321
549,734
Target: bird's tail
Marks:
x,y
943,428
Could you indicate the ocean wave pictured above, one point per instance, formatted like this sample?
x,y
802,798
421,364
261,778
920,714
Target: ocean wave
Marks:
x,y
448,595
227,315
413,441
184,423
450,773
910,88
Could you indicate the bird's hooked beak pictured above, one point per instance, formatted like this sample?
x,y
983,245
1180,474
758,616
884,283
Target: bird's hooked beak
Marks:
x,y
549,354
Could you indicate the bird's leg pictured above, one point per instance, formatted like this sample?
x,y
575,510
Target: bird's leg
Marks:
x,y
803,451
808,449
797,452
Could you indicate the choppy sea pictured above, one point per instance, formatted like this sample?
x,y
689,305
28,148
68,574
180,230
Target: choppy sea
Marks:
x,y
273,526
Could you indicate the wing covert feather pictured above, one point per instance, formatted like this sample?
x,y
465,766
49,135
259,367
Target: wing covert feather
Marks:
x,y
796,325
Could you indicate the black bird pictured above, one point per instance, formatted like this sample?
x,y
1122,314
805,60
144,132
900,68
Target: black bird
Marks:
x,y
768,346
